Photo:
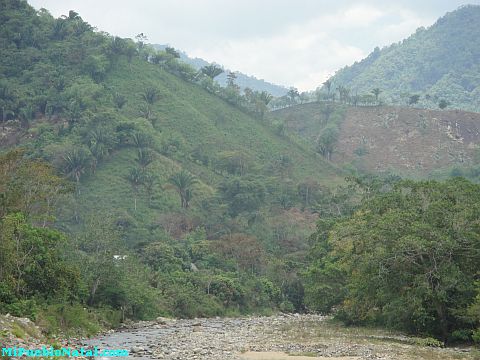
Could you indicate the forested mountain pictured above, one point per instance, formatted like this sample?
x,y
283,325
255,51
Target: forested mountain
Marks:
x,y
162,192
243,80
440,64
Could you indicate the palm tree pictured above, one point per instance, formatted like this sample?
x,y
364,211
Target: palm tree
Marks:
x,y
150,95
98,143
292,94
141,140
27,114
75,163
211,70
328,84
135,177
149,181
265,97
376,92
119,100
144,157
183,182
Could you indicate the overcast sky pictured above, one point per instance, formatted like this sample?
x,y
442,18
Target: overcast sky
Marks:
x,y
292,43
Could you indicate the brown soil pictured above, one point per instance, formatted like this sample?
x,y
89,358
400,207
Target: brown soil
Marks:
x,y
408,139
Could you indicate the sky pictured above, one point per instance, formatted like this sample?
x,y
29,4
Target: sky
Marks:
x,y
292,43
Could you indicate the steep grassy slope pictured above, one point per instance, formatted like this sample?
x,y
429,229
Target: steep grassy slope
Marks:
x,y
184,199
191,125
404,140
441,62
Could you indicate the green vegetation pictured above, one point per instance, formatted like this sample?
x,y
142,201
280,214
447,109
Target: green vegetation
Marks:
x,y
318,122
434,68
160,192
133,186
406,258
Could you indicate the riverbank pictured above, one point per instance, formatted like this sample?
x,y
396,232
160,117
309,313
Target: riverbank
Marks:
x,y
269,338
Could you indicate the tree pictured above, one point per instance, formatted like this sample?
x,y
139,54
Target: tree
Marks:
x,y
135,177
243,194
244,249
233,162
231,77
170,50
326,142
183,183
142,140
144,157
407,259
149,182
328,85
141,39
150,95
293,94
412,100
100,142
27,114
376,92
211,70
119,100
443,104
265,97
31,262
343,93
75,162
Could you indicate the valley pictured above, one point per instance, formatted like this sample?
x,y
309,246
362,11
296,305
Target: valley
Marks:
x,y
185,212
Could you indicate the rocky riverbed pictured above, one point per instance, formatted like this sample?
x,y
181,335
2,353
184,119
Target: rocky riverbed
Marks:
x,y
268,338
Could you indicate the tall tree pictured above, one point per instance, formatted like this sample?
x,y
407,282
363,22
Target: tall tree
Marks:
x,y
75,163
412,100
135,178
328,85
211,70
293,94
376,92
183,183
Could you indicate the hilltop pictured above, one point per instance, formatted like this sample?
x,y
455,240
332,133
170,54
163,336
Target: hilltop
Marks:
x,y
243,80
437,63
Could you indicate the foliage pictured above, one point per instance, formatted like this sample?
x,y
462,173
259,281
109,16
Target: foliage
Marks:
x,y
407,259
122,123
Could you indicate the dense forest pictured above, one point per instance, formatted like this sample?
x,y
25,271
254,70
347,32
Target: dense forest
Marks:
x,y
435,67
133,185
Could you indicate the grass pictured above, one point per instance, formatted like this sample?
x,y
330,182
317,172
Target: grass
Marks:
x,y
195,121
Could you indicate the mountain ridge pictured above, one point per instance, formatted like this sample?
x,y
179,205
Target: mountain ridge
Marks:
x,y
242,80
441,62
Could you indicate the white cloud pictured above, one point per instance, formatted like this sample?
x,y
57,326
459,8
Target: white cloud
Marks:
x,y
297,44
406,25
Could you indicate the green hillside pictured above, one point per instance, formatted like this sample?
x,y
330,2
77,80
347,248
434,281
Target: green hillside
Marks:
x,y
207,204
437,63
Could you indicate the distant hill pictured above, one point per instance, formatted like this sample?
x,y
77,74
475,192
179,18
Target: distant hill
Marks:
x,y
440,62
404,140
243,80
